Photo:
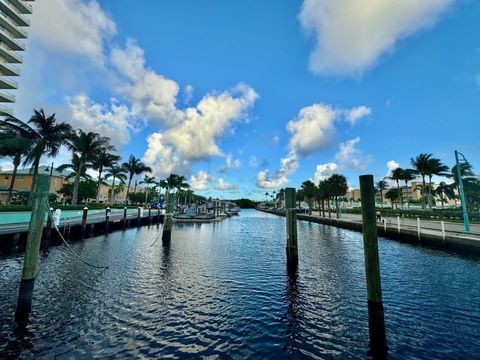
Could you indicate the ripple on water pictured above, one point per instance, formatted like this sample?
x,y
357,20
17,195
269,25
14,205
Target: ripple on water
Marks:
x,y
222,291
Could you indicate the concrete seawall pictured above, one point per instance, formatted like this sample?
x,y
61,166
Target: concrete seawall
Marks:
x,y
433,239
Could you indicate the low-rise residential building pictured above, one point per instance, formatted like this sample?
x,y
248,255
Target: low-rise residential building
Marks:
x,y
23,181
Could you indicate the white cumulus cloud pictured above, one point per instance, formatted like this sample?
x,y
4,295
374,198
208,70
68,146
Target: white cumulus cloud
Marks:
x,y
352,34
324,171
114,120
352,116
200,181
72,26
350,157
288,165
224,185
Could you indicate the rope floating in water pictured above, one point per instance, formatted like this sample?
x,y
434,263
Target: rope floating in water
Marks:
x,y
50,215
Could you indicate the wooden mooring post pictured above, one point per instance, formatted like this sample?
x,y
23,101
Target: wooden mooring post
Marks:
x,y
149,216
125,218
167,225
107,218
84,221
291,219
37,221
138,217
376,321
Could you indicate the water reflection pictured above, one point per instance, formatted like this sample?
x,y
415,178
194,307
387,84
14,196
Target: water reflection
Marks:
x,y
292,316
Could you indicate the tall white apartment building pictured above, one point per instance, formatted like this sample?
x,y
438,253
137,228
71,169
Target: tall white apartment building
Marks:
x,y
13,23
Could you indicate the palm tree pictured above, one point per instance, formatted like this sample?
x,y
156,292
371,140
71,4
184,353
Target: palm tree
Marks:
x,y
421,166
436,168
86,146
338,187
323,193
381,186
13,145
309,190
102,160
47,137
397,175
134,167
115,172
393,195
74,165
407,175
445,192
148,180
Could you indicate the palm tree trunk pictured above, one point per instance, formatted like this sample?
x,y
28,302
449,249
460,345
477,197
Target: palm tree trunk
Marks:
x,y
76,184
112,195
423,192
430,192
128,189
16,163
34,180
100,170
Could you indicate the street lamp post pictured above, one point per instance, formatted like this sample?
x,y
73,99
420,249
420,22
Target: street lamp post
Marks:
x,y
460,189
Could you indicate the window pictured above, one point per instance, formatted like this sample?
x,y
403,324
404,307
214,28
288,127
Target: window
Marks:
x,y
6,177
20,177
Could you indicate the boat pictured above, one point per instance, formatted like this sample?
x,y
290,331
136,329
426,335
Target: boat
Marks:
x,y
188,214
205,216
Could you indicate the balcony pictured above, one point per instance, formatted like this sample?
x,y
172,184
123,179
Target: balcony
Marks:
x,y
9,56
4,111
6,97
6,38
9,70
13,14
22,6
5,83
8,24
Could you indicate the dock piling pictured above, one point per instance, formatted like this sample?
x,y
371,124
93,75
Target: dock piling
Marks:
x,y
125,218
138,217
398,224
442,223
149,216
107,218
376,321
167,227
84,221
291,219
37,220
418,228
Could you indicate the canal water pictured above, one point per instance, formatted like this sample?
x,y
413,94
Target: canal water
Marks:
x,y
222,291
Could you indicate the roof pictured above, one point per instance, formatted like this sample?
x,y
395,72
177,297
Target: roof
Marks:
x,y
41,169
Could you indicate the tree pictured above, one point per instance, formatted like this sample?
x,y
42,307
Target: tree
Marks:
x,y
381,186
407,175
422,166
115,172
147,180
87,189
134,167
393,195
47,137
444,192
86,146
309,190
323,193
338,186
436,168
396,176
74,165
103,159
15,146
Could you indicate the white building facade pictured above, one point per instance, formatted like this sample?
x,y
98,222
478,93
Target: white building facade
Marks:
x,y
14,19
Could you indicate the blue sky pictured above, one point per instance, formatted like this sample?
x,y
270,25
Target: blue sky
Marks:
x,y
245,97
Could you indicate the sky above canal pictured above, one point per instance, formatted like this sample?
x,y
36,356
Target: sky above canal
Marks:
x,y
243,97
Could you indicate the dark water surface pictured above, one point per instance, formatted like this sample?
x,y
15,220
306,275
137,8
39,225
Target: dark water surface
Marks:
x,y
222,291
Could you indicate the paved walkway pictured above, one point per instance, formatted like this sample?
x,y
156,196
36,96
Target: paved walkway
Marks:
x,y
433,226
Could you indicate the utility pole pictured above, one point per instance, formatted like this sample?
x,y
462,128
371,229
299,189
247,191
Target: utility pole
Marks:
x,y
461,191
